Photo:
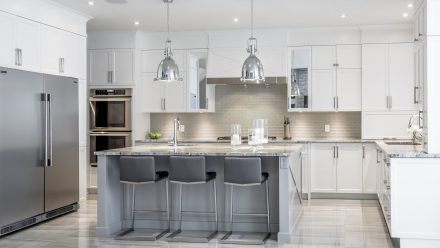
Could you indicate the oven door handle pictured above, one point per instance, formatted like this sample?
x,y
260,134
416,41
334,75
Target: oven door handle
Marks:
x,y
116,99
112,134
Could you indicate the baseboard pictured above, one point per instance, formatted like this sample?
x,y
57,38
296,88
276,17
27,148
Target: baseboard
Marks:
x,y
344,196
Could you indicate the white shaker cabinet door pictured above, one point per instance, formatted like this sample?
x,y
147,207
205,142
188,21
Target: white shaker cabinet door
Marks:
x,y
323,90
349,89
27,39
374,77
323,168
349,168
99,67
370,164
50,53
323,57
401,76
274,61
7,49
175,96
349,56
153,94
123,67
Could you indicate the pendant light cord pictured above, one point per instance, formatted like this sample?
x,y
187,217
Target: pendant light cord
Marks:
x,y
168,21
252,18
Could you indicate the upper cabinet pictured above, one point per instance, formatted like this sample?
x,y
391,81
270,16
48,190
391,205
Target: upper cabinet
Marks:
x,y
111,67
193,94
20,43
31,46
228,62
299,79
388,77
336,78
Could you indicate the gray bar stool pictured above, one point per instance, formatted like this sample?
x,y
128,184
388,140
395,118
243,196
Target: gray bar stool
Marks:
x,y
136,170
246,172
187,171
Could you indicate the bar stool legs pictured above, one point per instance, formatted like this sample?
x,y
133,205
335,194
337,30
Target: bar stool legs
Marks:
x,y
247,238
195,236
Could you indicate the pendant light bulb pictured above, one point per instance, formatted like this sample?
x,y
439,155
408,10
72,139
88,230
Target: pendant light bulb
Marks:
x,y
168,71
252,70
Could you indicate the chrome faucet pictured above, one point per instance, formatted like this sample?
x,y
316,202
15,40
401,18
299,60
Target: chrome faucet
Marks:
x,y
176,125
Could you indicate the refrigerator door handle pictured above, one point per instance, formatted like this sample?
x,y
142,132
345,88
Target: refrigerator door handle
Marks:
x,y
45,118
49,104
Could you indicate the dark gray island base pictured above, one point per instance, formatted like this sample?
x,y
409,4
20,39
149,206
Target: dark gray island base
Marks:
x,y
283,162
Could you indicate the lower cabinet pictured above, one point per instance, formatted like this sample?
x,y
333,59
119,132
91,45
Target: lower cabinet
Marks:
x,y
343,168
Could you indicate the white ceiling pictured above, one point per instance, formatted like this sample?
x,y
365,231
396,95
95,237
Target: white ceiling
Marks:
x,y
218,14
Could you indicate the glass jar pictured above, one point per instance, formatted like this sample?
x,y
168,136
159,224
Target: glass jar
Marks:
x,y
262,130
235,135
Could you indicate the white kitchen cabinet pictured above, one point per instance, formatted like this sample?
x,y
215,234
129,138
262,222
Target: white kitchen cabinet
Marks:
x,y
420,24
111,67
341,168
323,168
7,39
152,58
323,57
349,168
401,77
152,94
99,64
369,167
27,40
349,56
20,43
336,78
388,77
323,90
50,43
349,90
160,97
374,77
274,61
201,95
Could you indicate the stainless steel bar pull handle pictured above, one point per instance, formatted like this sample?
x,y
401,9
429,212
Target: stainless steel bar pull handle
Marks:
x,y
416,89
49,104
337,151
17,62
20,57
45,120
363,152
377,156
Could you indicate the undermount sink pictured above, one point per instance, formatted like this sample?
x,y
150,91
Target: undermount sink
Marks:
x,y
407,143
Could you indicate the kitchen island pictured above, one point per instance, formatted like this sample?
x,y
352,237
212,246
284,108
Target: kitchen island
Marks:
x,y
283,162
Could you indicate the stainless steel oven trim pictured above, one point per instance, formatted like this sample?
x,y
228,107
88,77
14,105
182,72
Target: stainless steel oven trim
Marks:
x,y
128,122
128,142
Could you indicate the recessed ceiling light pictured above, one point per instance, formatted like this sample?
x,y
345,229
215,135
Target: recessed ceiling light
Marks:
x,y
410,5
136,23
343,16
405,15
236,19
91,3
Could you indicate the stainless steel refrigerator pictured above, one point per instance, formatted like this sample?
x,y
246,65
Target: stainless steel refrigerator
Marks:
x,y
39,154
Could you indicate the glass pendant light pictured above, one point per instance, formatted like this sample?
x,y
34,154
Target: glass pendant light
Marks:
x,y
168,71
252,70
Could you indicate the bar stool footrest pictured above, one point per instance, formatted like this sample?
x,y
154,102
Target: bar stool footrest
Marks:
x,y
141,234
191,236
245,238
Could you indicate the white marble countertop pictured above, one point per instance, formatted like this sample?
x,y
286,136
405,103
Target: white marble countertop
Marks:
x,y
205,149
279,141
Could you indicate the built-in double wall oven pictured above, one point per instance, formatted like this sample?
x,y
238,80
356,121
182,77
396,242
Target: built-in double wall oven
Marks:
x,y
110,120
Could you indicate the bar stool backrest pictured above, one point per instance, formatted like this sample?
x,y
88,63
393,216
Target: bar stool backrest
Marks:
x,y
243,171
137,169
187,169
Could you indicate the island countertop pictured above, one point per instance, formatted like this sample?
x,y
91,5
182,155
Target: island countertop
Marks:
x,y
205,149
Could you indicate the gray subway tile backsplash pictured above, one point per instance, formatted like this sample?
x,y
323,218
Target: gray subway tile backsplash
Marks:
x,y
239,104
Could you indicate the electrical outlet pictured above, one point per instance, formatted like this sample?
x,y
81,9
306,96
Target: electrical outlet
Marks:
x,y
182,128
327,128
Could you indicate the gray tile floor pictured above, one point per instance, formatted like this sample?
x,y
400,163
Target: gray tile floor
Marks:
x,y
325,223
